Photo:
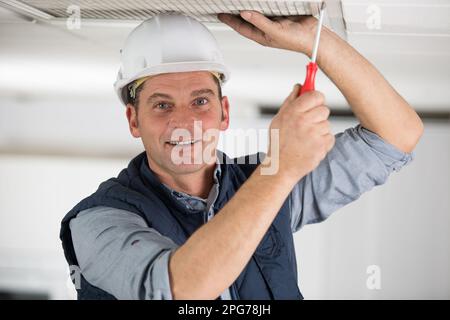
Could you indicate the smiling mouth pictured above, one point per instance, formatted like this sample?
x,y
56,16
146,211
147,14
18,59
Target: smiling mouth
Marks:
x,y
182,143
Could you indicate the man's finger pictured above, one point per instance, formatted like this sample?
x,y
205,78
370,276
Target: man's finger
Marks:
x,y
331,139
242,27
294,94
317,114
295,91
309,100
259,20
323,127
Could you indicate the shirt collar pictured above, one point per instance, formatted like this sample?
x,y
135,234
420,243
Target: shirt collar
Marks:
x,y
181,195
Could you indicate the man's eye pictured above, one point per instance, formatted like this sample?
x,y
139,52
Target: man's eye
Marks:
x,y
201,101
162,106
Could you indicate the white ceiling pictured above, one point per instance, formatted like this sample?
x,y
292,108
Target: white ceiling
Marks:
x,y
46,67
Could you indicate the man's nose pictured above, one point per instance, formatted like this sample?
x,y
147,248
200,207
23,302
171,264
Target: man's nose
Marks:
x,y
182,118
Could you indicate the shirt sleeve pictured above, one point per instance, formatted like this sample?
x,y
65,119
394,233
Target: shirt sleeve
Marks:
x,y
118,252
359,160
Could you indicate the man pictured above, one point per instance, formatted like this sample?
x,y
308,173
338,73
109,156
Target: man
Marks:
x,y
165,229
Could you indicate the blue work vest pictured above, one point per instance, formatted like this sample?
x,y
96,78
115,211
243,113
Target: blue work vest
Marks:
x,y
271,272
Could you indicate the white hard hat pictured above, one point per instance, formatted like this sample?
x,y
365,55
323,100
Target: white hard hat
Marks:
x,y
168,43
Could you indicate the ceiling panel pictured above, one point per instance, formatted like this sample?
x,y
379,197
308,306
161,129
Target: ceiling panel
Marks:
x,y
204,10
121,12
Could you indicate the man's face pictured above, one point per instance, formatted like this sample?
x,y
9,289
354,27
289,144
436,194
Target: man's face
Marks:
x,y
183,107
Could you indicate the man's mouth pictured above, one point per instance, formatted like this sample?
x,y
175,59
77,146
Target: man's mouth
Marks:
x,y
181,143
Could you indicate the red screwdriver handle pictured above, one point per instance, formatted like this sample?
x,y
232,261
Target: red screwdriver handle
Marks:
x,y
308,85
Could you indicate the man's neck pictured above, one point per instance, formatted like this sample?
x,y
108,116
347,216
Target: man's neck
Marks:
x,y
196,184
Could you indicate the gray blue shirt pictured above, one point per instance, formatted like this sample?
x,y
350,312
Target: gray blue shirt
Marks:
x,y
118,252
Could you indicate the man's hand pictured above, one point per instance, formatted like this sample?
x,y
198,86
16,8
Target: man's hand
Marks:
x,y
304,133
294,33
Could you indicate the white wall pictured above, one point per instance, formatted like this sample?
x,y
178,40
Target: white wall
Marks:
x,y
35,193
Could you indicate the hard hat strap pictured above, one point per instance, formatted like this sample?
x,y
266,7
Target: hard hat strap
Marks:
x,y
136,84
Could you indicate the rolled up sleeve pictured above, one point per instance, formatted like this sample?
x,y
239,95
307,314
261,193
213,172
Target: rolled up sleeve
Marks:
x,y
359,160
117,252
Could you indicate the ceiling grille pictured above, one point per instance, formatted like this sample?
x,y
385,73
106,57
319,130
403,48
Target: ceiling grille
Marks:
x,y
203,10
121,12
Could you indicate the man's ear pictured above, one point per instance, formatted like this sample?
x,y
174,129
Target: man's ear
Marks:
x,y
133,121
225,122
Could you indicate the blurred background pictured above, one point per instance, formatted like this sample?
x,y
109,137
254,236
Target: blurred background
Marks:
x,y
63,131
